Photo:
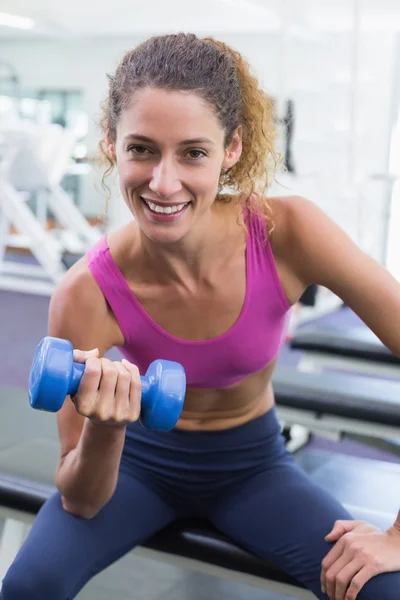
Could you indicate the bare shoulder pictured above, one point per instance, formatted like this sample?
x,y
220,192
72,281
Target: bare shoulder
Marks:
x,y
79,312
300,228
288,214
318,250
282,245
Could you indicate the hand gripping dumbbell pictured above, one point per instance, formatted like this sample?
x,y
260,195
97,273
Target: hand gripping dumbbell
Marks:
x,y
54,375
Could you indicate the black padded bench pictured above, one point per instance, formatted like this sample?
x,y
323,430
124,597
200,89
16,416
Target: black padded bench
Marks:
x,y
358,342
192,539
332,400
356,349
196,544
338,403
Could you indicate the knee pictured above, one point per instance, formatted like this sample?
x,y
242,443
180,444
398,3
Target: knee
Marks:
x,y
385,586
32,582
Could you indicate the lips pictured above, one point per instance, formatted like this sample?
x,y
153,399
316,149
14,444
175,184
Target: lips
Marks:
x,y
164,211
164,208
162,204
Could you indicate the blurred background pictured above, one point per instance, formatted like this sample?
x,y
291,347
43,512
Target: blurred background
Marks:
x,y
332,66
333,69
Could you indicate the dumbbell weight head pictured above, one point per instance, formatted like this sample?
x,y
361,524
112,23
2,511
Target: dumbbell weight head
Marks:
x,y
163,393
54,375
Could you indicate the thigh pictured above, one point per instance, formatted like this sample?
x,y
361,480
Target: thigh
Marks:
x,y
282,516
63,552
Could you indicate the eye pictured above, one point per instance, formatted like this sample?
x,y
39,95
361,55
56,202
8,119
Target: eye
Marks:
x,y
196,154
138,150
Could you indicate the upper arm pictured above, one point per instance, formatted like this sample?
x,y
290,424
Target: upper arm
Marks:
x,y
78,312
321,252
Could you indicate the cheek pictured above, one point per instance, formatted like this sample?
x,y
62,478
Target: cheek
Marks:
x,y
130,174
207,177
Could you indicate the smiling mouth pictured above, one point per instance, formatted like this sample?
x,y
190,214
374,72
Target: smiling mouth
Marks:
x,y
164,210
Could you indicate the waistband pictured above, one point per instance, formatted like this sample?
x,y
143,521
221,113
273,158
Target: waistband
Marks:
x,y
256,431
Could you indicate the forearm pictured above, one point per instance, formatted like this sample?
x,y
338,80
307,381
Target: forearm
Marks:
x,y
87,476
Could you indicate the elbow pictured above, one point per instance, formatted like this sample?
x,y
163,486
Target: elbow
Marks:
x,y
82,511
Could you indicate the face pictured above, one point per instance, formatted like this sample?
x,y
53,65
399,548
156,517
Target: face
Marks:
x,y
169,152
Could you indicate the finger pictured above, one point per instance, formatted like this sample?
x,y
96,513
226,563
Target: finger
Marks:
x,y
332,556
135,393
344,577
340,528
331,574
86,395
81,356
122,392
330,559
358,582
105,403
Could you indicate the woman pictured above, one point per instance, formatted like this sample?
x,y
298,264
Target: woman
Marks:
x,y
206,280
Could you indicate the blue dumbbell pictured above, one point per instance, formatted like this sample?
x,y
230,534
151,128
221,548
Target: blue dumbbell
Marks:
x,y
54,375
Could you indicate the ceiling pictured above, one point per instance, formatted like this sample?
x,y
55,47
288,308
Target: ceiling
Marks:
x,y
85,18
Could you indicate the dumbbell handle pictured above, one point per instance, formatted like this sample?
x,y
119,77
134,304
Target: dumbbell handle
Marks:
x,y
79,368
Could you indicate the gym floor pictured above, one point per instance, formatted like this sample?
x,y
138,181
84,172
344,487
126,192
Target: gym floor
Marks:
x,y
23,324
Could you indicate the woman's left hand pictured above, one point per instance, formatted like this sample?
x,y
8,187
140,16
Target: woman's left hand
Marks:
x,y
361,552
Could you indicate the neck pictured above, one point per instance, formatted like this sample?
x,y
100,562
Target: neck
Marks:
x,y
192,258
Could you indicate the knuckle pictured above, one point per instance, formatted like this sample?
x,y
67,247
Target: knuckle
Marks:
x,y
109,370
82,404
119,418
83,410
348,539
352,592
93,368
330,578
376,563
102,415
124,376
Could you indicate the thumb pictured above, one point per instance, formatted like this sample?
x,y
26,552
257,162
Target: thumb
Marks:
x,y
81,356
340,528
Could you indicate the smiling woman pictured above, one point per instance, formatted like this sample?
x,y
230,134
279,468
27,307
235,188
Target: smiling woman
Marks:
x,y
206,281
215,77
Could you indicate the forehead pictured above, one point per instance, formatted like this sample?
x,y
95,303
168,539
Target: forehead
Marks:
x,y
159,113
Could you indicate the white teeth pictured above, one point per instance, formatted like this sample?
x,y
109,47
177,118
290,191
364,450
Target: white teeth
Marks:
x,y
166,210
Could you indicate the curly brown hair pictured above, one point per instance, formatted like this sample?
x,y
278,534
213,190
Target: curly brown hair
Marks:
x,y
224,79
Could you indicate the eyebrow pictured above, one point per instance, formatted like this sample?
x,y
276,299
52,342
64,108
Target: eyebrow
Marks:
x,y
144,138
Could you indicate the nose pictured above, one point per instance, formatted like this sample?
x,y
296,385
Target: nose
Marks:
x,y
165,180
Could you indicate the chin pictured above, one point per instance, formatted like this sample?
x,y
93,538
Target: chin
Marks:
x,y
160,234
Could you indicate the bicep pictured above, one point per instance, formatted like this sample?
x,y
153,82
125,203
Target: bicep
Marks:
x,y
75,314
324,254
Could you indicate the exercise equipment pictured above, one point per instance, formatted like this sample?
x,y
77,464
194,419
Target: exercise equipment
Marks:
x,y
344,346
368,488
337,405
54,375
33,160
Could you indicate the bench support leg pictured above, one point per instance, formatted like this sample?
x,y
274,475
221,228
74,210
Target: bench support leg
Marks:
x,y
14,534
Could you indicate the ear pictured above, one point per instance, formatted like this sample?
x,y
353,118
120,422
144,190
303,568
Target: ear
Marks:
x,y
110,147
233,152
